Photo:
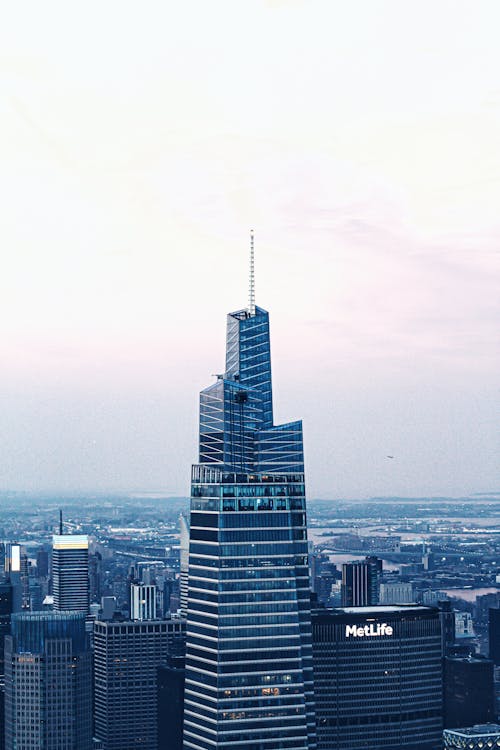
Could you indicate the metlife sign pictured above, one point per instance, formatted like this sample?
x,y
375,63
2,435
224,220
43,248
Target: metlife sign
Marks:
x,y
363,631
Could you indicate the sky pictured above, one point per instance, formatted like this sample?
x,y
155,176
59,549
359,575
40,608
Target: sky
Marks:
x,y
140,143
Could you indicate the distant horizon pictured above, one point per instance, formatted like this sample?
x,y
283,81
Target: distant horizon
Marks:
x,y
165,495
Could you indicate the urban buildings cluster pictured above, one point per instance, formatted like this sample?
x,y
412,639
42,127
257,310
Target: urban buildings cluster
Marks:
x,y
241,633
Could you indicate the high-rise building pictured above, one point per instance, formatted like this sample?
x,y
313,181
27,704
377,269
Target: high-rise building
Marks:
x,y
16,569
127,655
171,703
6,603
70,572
447,616
378,678
6,609
48,682
142,601
360,582
249,680
42,562
494,635
396,593
184,563
469,694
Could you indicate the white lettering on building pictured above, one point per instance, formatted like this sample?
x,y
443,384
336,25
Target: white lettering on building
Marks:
x,y
360,631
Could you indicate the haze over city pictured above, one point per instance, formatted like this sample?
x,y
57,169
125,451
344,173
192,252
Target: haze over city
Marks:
x,y
139,146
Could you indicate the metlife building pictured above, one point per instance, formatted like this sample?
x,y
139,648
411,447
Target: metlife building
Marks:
x,y
378,678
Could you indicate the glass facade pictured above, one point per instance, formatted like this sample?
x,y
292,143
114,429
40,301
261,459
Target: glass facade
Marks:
x,y
48,682
249,678
378,678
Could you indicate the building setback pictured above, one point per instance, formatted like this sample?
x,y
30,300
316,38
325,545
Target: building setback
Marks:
x,y
48,682
126,659
378,678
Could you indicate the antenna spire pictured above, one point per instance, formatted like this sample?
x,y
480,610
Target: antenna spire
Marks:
x,y
60,522
251,287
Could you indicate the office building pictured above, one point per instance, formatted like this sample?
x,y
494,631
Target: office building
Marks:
x,y
6,603
463,625
479,737
494,635
378,678
42,562
142,601
70,572
184,563
360,582
469,695
249,679
16,569
127,655
171,703
396,593
6,609
447,617
48,682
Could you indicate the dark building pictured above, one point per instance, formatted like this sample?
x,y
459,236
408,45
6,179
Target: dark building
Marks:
x,y
360,582
447,616
378,678
6,604
494,635
42,563
249,677
48,682
127,655
95,576
16,569
469,696
171,703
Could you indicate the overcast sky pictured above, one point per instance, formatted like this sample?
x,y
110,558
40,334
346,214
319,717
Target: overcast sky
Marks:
x,y
140,142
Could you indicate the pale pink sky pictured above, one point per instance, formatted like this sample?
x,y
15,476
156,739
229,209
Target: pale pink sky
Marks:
x,y
138,145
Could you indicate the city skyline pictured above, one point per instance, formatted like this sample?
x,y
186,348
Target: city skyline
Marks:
x,y
361,146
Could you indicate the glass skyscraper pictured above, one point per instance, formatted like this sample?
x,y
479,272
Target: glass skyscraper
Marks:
x,y
48,682
70,572
249,676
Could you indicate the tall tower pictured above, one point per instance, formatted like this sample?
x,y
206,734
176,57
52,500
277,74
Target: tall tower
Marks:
x,y
249,680
70,572
48,682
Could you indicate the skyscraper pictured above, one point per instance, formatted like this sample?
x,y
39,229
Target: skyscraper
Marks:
x,y
360,582
494,635
184,563
48,682
469,692
249,676
70,572
378,678
127,655
142,601
16,569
